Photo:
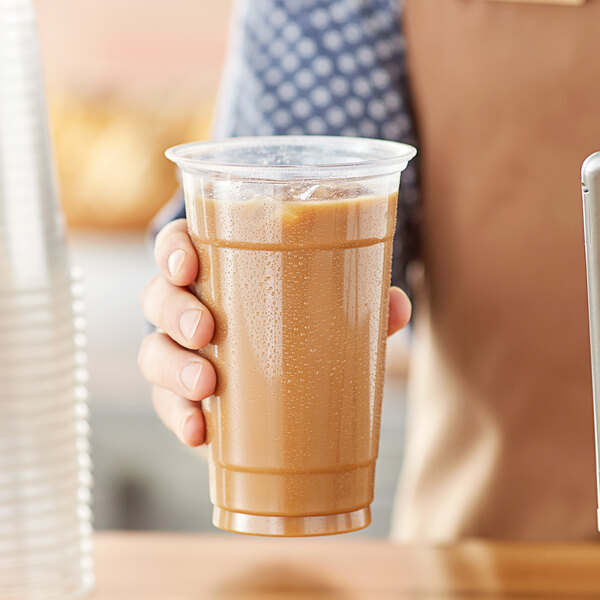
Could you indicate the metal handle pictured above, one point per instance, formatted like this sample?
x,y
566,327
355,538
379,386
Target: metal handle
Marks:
x,y
590,181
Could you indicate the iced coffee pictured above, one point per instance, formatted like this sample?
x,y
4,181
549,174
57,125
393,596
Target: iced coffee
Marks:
x,y
296,275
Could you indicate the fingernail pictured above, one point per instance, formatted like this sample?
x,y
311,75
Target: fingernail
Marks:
x,y
188,323
187,429
175,261
190,375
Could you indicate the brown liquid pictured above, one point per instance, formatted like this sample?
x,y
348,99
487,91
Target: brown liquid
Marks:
x,y
299,292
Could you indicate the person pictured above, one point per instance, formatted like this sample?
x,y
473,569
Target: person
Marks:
x,y
500,424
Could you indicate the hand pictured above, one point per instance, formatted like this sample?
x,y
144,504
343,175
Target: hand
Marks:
x,y
180,377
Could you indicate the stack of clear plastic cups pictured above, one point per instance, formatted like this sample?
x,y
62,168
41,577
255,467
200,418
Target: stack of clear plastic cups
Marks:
x,y
45,519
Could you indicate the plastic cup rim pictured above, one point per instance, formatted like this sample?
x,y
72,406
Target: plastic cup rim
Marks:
x,y
189,158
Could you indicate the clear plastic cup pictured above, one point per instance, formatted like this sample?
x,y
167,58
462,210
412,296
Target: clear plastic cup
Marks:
x,y
49,569
39,371
52,418
16,410
42,506
44,387
45,548
30,492
35,458
294,235
63,396
70,455
45,235
36,300
41,501
49,577
13,444
41,392
16,365
36,354
28,564
24,452
63,423
61,470
40,316
15,343
49,318
58,583
63,589
17,316
44,478
64,280
28,516
48,354
29,261
55,569
32,335
38,526
30,267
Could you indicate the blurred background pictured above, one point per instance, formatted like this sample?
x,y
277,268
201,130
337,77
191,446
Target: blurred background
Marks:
x,y
126,79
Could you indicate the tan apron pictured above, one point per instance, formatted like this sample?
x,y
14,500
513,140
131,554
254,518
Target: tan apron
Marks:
x,y
500,431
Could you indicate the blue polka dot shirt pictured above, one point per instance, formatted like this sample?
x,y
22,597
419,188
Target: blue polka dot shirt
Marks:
x,y
329,67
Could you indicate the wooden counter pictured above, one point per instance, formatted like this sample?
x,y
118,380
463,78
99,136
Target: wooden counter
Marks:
x,y
149,566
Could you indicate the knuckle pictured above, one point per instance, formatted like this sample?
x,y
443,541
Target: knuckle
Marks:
x,y
161,245
147,348
163,233
148,290
172,362
170,230
142,354
158,241
167,313
157,398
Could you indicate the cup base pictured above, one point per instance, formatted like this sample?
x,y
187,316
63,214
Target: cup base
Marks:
x,y
291,526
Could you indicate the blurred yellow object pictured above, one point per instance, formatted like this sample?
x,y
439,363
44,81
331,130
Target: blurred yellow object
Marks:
x,y
112,170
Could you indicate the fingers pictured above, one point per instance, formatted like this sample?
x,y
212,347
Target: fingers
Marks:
x,y
183,417
166,364
180,377
175,254
400,310
178,313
